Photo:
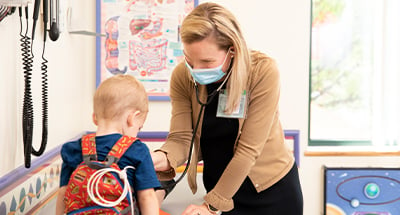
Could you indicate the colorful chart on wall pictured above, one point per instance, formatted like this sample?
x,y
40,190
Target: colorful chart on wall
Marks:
x,y
362,191
140,38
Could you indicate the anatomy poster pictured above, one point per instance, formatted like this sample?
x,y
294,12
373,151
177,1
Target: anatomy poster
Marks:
x,y
141,38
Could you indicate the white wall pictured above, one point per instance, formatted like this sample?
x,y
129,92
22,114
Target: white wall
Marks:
x,y
278,28
71,74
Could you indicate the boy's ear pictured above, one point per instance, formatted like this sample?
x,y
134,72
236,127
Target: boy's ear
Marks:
x,y
94,119
132,116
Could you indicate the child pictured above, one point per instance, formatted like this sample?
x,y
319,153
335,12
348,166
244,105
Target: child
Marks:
x,y
120,108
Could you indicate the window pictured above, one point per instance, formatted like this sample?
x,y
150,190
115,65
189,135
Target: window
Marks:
x,y
355,73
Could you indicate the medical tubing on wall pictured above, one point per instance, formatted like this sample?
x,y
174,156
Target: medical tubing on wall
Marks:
x,y
44,89
44,107
27,115
27,110
35,17
6,11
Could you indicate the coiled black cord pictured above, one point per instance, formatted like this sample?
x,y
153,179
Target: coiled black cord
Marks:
x,y
44,104
27,110
27,114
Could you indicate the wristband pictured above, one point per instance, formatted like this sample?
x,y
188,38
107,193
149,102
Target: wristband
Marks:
x,y
213,210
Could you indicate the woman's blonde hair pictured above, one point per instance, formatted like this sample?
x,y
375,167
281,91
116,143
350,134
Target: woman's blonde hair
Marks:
x,y
210,19
118,94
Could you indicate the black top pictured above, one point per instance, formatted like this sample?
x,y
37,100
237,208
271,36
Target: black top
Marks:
x,y
217,140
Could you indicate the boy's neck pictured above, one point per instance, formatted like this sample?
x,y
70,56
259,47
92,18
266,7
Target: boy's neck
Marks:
x,y
103,133
100,132
107,128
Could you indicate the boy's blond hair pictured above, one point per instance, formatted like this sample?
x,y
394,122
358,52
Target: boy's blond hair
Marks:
x,y
118,94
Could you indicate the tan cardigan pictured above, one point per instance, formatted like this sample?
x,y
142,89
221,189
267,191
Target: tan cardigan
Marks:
x,y
260,151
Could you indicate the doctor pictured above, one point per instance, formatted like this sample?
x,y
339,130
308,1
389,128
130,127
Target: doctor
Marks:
x,y
228,96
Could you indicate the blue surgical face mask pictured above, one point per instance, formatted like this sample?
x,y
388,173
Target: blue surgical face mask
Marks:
x,y
209,75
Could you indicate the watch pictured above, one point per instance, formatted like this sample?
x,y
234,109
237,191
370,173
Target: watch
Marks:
x,y
213,209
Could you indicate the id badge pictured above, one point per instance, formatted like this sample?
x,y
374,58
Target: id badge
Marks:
x,y
240,111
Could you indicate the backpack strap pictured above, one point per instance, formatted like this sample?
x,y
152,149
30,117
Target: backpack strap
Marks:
x,y
88,144
119,149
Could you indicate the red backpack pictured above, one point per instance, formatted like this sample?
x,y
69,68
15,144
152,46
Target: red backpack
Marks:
x,y
95,187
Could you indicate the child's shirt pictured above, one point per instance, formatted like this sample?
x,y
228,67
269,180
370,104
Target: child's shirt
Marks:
x,y
137,155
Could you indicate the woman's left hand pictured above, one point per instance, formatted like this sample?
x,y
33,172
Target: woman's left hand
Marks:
x,y
197,210
160,161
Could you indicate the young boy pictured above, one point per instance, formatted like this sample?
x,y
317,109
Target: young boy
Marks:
x,y
120,107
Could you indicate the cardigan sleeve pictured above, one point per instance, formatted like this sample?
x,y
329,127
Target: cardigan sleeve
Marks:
x,y
178,141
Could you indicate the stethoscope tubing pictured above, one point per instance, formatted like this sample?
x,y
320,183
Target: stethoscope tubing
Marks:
x,y
203,105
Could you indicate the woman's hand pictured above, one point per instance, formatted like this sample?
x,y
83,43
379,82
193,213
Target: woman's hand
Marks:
x,y
197,210
160,161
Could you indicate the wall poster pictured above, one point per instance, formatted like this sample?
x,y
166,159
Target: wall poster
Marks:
x,y
140,38
361,191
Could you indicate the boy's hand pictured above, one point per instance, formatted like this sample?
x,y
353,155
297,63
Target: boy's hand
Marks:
x,y
60,206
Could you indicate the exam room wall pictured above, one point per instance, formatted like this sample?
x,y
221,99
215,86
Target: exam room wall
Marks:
x,y
278,28
71,84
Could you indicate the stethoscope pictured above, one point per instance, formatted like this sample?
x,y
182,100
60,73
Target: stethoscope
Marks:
x,y
203,105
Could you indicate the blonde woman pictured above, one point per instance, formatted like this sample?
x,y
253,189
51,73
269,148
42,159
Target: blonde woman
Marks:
x,y
228,96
